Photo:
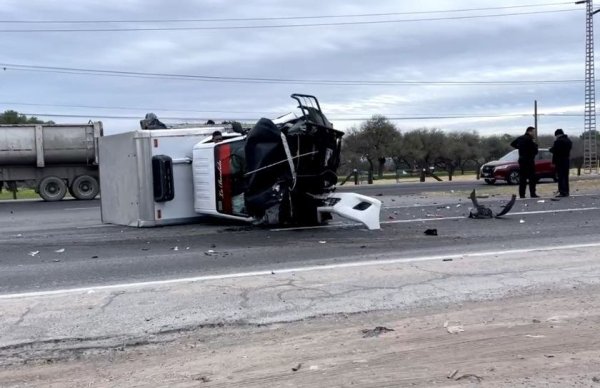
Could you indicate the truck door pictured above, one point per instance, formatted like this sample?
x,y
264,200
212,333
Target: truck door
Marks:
x,y
230,163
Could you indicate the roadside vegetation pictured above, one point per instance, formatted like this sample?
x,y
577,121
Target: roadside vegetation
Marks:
x,y
21,193
378,148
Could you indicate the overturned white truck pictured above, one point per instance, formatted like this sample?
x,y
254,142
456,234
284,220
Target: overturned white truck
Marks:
x,y
279,172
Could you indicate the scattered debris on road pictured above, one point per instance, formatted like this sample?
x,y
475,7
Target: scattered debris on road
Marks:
x,y
521,221
61,250
202,379
176,248
375,332
297,367
447,259
453,329
481,212
33,253
469,376
431,232
452,374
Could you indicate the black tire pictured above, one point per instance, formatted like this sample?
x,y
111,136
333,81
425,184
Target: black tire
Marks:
x,y
52,188
85,187
513,177
490,181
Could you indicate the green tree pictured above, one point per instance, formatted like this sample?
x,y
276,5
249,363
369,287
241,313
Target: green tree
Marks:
x,y
373,142
13,117
465,148
494,147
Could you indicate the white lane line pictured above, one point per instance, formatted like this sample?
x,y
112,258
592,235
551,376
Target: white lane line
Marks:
x,y
429,219
467,203
505,253
580,209
81,208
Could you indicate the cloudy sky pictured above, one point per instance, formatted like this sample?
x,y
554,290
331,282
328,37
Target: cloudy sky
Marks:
x,y
454,65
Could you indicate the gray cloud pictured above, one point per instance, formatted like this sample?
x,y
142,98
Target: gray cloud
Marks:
x,y
525,47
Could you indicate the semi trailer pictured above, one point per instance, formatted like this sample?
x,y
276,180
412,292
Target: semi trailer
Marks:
x,y
52,158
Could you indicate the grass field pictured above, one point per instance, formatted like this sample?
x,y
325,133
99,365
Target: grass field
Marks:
x,y
21,194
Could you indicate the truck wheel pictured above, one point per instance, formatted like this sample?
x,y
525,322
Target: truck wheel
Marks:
x,y
490,181
85,187
513,177
52,188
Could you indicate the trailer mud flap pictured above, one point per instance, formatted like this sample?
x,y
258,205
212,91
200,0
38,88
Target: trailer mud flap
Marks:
x,y
162,178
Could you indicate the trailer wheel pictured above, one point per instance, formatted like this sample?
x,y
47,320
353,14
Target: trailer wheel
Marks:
x,y
85,187
52,188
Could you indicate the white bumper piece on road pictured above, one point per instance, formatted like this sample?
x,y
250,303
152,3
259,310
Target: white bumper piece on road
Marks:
x,y
353,206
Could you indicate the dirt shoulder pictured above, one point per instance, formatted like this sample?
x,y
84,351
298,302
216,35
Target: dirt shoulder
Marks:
x,y
538,340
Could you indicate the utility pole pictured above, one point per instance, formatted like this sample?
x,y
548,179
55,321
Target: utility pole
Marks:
x,y
590,148
535,118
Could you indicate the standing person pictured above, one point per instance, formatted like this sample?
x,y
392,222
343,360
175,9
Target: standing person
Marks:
x,y
528,149
561,154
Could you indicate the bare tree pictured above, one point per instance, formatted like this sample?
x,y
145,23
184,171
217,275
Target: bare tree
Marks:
x,y
373,141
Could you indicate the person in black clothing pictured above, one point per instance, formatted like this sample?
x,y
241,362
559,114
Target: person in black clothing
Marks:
x,y
528,149
561,152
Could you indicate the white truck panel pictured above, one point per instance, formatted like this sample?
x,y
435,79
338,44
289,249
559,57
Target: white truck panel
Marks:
x,y
126,176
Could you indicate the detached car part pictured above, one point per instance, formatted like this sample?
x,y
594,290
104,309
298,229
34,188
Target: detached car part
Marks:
x,y
480,211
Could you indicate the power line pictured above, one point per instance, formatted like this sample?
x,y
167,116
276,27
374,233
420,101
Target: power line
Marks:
x,y
393,118
277,17
206,78
280,26
155,109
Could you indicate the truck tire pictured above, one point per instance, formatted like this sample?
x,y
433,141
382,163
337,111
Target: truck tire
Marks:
x,y
85,187
52,188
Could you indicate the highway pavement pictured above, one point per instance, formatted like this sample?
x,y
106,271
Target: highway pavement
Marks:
x,y
55,246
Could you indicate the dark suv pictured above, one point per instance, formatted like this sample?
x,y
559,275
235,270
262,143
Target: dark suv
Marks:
x,y
507,168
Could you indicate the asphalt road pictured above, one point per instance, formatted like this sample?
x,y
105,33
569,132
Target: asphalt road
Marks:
x,y
50,246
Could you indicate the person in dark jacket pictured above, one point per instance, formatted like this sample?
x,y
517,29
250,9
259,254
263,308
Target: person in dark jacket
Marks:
x,y
528,149
561,156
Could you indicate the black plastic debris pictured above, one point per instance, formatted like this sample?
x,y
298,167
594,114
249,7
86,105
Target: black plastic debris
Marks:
x,y
469,376
297,368
431,232
482,212
375,332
